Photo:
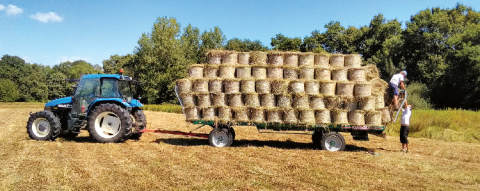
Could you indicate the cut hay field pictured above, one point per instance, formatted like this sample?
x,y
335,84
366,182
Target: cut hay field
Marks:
x,y
255,162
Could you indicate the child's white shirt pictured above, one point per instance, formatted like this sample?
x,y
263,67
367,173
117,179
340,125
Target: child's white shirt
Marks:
x,y
406,113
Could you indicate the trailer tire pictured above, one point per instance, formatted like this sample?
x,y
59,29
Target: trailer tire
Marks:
x,y
43,126
109,123
316,138
220,137
139,123
232,131
332,141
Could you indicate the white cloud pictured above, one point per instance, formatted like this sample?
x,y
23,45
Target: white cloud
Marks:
x,y
2,7
47,17
13,10
27,59
71,59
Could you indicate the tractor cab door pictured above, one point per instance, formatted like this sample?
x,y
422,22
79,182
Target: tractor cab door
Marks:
x,y
87,92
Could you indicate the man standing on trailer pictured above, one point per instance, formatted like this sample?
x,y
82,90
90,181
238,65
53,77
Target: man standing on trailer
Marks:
x,y
404,129
393,85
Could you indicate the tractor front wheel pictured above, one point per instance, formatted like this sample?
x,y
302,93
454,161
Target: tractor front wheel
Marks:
x,y
43,125
109,123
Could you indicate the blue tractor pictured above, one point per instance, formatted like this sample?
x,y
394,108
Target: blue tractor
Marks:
x,y
104,103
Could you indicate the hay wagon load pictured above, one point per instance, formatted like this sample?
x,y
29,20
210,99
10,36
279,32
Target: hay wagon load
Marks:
x,y
317,94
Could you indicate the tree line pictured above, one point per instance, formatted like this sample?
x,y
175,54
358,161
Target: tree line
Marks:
x,y
440,49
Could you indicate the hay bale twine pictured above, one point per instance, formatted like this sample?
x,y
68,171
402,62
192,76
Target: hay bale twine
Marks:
x,y
284,101
340,74
196,71
297,86
290,116
353,60
200,85
227,71
275,72
290,73
263,86
356,117
203,100
279,86
208,114
291,59
345,89
192,114
306,59
232,86
337,60
357,74
379,87
373,118
323,74
367,103
214,56
317,102
362,89
327,88
307,117
241,114
219,99
211,71
188,100
257,115
274,116
350,105
244,72
244,58
215,85
230,57
379,102
184,86
321,60
258,57
322,117
371,72
267,100
340,117
252,100
386,116
235,100
307,73
224,114
259,72
301,102
275,58
248,86
312,87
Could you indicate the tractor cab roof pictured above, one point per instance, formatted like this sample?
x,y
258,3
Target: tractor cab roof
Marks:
x,y
97,76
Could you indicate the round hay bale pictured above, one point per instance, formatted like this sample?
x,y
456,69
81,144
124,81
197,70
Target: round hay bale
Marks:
x,y
307,73
371,72
301,102
386,115
188,100
275,58
196,71
297,86
337,60
215,85
284,101
312,87
200,85
290,116
323,74
379,87
367,103
244,72
235,100
203,100
279,86
184,86
224,114
230,57
252,100
219,99
290,73
357,74
373,118
340,74
317,102
306,59
345,89
350,105
307,117
340,117
241,114
362,89
379,102
244,58
259,72
263,86
274,116
291,59
257,115
275,72
267,100
227,71
208,114
356,117
334,103
211,71
322,117
327,88
248,86
214,56
322,60
192,114
258,57
353,60
232,86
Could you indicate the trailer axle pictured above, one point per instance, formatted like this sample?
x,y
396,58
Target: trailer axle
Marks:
x,y
175,133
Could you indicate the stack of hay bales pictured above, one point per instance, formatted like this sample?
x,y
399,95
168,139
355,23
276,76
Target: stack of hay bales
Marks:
x,y
284,88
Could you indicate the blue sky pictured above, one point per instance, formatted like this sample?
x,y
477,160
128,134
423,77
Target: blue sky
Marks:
x,y
50,32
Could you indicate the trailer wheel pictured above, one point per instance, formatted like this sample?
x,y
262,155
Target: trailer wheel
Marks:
x,y
332,141
316,138
220,137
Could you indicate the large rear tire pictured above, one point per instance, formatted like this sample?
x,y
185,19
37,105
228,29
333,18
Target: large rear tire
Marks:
x,y
109,123
43,125
332,141
220,137
139,123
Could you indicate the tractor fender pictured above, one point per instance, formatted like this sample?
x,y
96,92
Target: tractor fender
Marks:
x,y
117,101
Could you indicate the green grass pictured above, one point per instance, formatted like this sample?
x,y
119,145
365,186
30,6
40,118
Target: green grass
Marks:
x,y
446,125
170,108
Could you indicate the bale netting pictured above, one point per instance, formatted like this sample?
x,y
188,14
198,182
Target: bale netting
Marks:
x,y
317,102
290,116
240,114
279,86
219,99
230,57
322,117
203,100
379,102
252,100
274,116
267,100
345,89
208,114
307,73
322,60
323,74
350,105
244,58
386,116
259,72
196,71
301,101
340,117
244,72
340,74
211,71
188,100
362,89
297,86
312,87
356,117
284,101
291,59
227,71
214,56
192,113
275,72
235,100
306,59
224,114
367,103
263,86
247,86
379,87
371,72
327,88
184,86
215,85
337,60
200,85
232,86
258,57
356,74
353,60
373,118
275,58
290,73
257,115
307,117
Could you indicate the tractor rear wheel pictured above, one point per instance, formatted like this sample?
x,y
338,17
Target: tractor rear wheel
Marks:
x,y
43,125
139,123
109,123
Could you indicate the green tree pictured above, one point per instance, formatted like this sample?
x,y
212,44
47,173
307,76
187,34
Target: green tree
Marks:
x,y
8,91
190,41
245,45
116,62
284,43
213,39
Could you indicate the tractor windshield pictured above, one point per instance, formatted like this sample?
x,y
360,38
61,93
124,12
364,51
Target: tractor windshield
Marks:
x,y
125,90
88,88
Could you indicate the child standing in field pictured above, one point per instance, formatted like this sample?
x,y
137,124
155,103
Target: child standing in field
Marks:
x,y
404,129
